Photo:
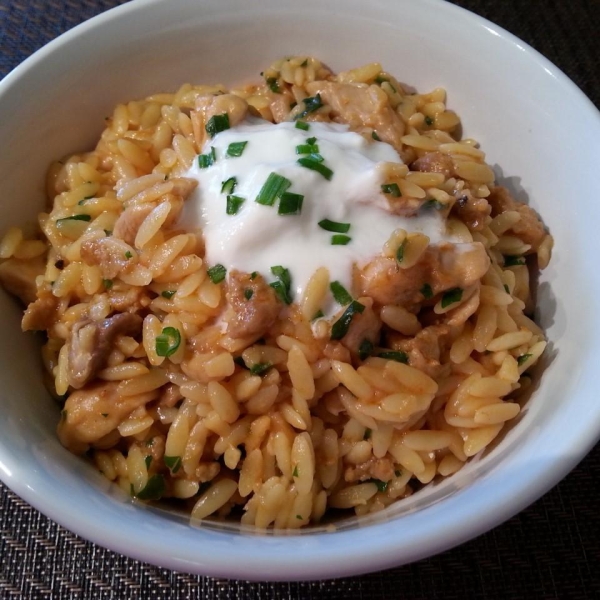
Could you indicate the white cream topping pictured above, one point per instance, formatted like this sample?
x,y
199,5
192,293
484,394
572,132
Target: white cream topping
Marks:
x,y
257,237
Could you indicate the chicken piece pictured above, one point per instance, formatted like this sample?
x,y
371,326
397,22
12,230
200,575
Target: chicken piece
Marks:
x,y
434,162
92,413
254,303
360,106
472,211
364,326
18,277
442,267
424,349
110,254
280,107
375,468
210,106
129,221
41,314
129,300
530,229
91,342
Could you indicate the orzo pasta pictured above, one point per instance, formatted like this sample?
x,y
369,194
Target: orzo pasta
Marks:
x,y
252,393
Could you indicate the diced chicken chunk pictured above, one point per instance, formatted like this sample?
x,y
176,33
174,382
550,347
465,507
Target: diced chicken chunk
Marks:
x,y
18,277
110,254
375,468
41,314
472,211
361,106
530,229
129,221
434,162
210,106
442,267
364,326
254,303
424,349
91,342
92,413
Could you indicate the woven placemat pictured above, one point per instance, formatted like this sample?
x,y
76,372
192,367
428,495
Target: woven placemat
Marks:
x,y
550,551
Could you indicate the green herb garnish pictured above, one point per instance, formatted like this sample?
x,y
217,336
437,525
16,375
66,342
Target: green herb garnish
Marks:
x,y
341,326
295,471
523,359
398,356
207,160
392,189
253,275
148,461
217,273
334,226
173,462
400,252
290,204
236,149
431,203
282,287
365,349
311,104
154,488
234,203
86,218
452,297
428,121
217,124
107,283
273,85
260,368
168,294
248,293
307,149
313,162
167,343
128,255
513,261
340,240
340,293
381,485
228,187
427,291
318,315
302,125
272,189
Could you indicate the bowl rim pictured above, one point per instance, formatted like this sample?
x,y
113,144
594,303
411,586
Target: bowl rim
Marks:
x,y
349,558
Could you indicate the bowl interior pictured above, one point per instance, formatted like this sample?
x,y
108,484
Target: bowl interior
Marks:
x,y
543,146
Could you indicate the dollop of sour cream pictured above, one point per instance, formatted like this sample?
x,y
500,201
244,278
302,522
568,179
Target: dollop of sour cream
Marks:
x,y
257,237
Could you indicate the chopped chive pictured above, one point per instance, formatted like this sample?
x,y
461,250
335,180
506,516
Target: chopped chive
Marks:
x,y
365,349
86,218
148,461
523,359
513,261
290,204
334,226
302,125
431,203
379,80
340,293
273,85
311,140
318,315
217,273
427,291
272,189
367,434
307,149
400,252
107,283
282,287
375,136
234,203
299,517
452,297
398,356
392,189
168,294
128,255
248,293
253,275
207,160
154,488
341,326
173,462
217,124
260,368
295,472
313,162
381,485
428,121
168,342
236,149
310,105
228,187
340,240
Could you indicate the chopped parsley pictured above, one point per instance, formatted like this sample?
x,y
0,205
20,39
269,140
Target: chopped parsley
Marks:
x,y
396,355
341,326
217,124
334,226
392,189
168,342
340,293
236,149
217,273
452,297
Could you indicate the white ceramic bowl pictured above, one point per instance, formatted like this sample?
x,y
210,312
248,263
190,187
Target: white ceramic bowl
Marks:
x,y
531,120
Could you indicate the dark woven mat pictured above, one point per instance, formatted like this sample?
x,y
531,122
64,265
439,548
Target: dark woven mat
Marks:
x,y
549,551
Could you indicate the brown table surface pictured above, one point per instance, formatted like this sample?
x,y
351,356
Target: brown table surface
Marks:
x,y
550,550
